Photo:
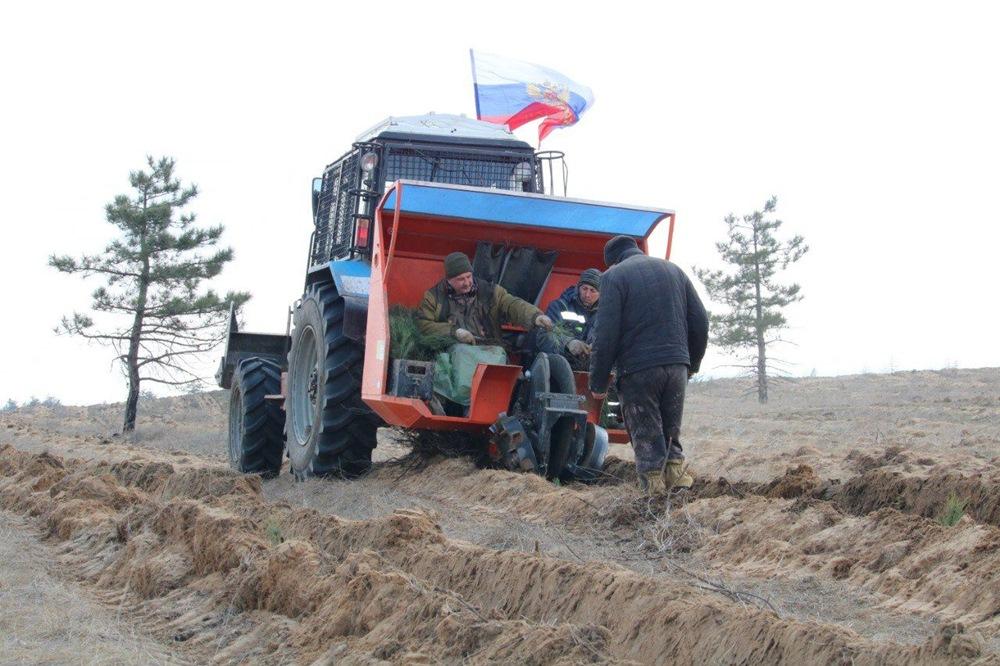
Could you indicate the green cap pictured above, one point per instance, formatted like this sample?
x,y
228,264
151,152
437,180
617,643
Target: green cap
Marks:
x,y
456,263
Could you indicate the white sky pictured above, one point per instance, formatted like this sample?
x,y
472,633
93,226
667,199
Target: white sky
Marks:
x,y
876,124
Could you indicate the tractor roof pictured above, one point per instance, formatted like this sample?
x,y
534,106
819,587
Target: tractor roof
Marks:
x,y
520,208
444,127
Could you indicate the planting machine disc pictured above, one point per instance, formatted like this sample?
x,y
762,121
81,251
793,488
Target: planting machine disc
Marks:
x,y
548,433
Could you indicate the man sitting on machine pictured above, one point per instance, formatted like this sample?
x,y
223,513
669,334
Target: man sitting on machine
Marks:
x,y
574,314
471,311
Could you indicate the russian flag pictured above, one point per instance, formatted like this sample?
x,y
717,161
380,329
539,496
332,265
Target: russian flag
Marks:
x,y
512,93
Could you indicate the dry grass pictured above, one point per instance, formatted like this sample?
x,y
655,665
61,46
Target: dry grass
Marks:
x,y
951,415
46,619
841,427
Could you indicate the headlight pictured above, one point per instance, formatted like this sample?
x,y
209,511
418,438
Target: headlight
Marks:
x,y
522,172
368,162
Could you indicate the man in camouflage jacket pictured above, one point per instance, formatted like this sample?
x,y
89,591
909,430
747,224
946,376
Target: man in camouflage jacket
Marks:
x,y
472,310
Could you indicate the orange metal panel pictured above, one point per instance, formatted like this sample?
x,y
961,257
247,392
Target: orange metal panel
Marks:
x,y
616,436
593,407
492,387
670,236
401,277
377,333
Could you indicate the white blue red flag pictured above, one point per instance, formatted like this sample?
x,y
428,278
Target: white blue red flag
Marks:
x,y
512,93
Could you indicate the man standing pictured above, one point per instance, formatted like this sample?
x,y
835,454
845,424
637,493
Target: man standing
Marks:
x,y
574,313
654,329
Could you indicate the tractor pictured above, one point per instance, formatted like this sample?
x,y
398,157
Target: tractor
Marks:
x,y
410,191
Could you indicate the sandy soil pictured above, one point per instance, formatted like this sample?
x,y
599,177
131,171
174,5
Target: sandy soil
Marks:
x,y
45,618
812,536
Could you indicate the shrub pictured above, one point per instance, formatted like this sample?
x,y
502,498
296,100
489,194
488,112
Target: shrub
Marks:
x,y
953,511
406,340
273,532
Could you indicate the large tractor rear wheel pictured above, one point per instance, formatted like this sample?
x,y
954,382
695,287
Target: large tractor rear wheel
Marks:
x,y
255,424
329,430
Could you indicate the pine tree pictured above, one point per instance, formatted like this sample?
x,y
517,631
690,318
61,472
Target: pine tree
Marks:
x,y
156,316
750,291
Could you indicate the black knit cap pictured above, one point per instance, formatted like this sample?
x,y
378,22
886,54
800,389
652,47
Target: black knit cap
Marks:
x,y
616,247
591,276
456,263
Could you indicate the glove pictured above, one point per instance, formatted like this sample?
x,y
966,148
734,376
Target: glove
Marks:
x,y
465,336
578,348
544,322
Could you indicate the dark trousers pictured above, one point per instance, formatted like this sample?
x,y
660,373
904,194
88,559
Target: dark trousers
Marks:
x,y
652,404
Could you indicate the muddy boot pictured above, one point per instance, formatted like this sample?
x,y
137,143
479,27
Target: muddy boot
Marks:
x,y
675,475
651,482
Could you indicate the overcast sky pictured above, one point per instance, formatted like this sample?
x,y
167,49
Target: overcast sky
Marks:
x,y
875,124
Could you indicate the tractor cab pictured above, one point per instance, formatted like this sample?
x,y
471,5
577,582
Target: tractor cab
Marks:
x,y
438,148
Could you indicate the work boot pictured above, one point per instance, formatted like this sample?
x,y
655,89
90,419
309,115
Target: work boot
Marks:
x,y
651,482
675,475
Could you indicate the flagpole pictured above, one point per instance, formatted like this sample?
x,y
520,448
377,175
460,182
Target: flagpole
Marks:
x,y
475,88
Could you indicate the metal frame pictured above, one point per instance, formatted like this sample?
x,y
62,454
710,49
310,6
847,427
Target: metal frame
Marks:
x,y
346,196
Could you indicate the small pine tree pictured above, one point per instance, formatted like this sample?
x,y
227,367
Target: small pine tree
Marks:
x,y
749,288
10,407
153,273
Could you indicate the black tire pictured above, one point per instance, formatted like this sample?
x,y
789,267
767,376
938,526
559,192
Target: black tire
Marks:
x,y
560,381
255,424
329,430
540,378
552,373
561,375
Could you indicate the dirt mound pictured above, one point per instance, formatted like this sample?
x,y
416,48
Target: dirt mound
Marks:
x,y
923,495
618,471
914,563
865,462
229,577
796,482
145,476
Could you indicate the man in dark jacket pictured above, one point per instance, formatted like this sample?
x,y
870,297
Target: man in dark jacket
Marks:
x,y
654,329
574,314
472,310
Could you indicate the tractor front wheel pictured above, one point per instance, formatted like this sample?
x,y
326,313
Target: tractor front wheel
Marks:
x,y
255,424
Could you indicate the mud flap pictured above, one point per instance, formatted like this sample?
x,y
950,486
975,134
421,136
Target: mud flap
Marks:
x,y
352,279
355,318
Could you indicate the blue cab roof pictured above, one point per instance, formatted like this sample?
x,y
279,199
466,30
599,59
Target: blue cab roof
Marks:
x,y
536,210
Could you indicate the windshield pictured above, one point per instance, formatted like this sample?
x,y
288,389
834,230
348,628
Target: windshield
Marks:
x,y
505,172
